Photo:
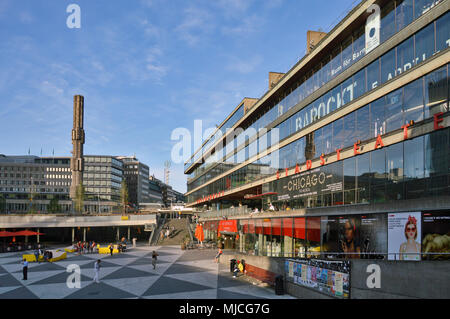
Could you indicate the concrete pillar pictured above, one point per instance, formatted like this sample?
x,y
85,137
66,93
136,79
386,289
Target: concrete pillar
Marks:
x,y
128,233
73,234
118,234
37,238
26,239
84,234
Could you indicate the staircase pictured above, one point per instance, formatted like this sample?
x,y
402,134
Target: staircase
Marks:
x,y
177,235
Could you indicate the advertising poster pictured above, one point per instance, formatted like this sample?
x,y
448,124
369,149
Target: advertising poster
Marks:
x,y
435,235
338,284
300,273
330,283
404,236
342,234
304,274
373,236
291,269
329,232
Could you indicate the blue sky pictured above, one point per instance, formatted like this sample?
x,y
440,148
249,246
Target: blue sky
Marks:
x,y
145,67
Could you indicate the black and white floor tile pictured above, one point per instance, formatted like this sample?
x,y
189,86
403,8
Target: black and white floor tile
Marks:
x,y
179,274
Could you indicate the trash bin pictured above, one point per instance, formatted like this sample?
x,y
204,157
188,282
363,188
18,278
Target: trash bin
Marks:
x,y
232,264
279,285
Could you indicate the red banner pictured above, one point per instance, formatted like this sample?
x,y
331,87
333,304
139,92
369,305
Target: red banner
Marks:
x,y
229,226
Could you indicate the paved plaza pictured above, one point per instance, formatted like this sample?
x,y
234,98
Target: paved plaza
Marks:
x,y
179,274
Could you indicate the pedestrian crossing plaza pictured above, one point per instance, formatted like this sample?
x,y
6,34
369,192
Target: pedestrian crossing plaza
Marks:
x,y
179,274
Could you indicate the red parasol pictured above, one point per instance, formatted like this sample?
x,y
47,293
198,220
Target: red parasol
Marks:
x,y
6,234
25,233
199,233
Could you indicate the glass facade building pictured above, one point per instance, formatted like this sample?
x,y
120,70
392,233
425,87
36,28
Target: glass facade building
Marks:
x,y
360,124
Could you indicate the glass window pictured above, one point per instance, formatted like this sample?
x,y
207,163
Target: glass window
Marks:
x,y
413,101
288,236
393,111
299,237
388,66
373,75
436,99
299,149
347,91
436,153
349,132
363,177
424,43
362,123
338,134
359,83
327,135
336,62
405,55
422,6
359,43
387,21
404,13
377,123
378,175
347,52
350,181
318,142
414,166
443,32
394,163
336,98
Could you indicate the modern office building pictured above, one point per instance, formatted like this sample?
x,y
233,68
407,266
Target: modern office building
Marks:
x,y
136,175
102,181
354,138
29,183
155,191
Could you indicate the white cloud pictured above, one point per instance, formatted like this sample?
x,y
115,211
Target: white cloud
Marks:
x,y
244,66
196,24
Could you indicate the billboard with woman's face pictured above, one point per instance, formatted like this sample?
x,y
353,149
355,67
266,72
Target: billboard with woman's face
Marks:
x,y
404,236
355,236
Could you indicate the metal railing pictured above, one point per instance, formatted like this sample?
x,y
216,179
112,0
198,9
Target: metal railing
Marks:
x,y
361,255
228,212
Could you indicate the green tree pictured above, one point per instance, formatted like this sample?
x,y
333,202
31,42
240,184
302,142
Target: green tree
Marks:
x,y
53,206
124,197
79,199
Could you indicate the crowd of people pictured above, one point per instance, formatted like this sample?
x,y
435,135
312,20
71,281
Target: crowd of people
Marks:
x,y
167,232
85,247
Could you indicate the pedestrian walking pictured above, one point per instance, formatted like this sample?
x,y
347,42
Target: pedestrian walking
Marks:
x,y
154,258
25,269
111,248
36,254
219,253
96,271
